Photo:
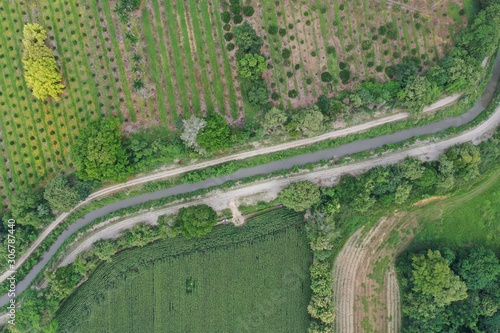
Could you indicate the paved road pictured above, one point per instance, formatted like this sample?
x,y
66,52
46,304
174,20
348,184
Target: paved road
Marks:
x,y
344,150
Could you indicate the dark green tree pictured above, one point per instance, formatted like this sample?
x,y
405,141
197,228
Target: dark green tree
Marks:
x,y
99,153
195,221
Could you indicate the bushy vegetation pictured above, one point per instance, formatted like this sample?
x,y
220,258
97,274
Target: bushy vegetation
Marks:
x,y
450,290
195,221
99,153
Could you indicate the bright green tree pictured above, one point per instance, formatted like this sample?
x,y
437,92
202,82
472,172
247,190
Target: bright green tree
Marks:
x,y
41,70
418,93
99,153
195,221
300,196
215,135
433,277
251,66
60,195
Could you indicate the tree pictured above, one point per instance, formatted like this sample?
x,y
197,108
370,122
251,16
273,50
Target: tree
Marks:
x,y
192,127
104,249
412,168
300,196
99,153
432,276
478,268
41,71
195,221
251,66
274,121
402,193
309,121
258,94
482,37
247,39
28,207
418,93
215,135
60,195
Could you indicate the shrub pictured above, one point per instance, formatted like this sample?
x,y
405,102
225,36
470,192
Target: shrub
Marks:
x,y
293,93
273,29
195,221
342,65
289,74
297,67
330,49
382,30
227,27
282,32
251,66
286,53
366,45
341,7
225,17
237,19
215,135
247,39
300,196
370,64
275,96
326,77
248,11
379,69
230,46
235,8
258,95
345,75
228,36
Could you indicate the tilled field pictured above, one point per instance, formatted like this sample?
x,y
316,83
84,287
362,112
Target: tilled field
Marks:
x,y
365,284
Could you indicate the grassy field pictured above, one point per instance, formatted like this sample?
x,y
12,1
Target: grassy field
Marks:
x,y
323,34
253,279
470,218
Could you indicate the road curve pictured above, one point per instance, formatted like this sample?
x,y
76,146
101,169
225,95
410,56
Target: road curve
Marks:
x,y
343,150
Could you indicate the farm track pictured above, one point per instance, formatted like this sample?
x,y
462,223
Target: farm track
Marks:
x,y
430,151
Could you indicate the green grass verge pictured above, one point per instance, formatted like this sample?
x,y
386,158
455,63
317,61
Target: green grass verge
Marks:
x,y
472,216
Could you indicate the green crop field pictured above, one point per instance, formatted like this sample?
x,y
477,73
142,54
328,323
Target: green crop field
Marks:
x,y
249,279
470,218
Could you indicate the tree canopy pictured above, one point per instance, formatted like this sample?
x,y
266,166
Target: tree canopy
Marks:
x,y
251,66
41,70
300,195
60,195
99,153
216,134
195,221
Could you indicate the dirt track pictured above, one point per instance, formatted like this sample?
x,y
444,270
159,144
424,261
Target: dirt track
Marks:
x,y
365,284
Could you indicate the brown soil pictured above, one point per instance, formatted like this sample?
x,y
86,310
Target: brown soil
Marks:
x,y
424,202
347,29
366,288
